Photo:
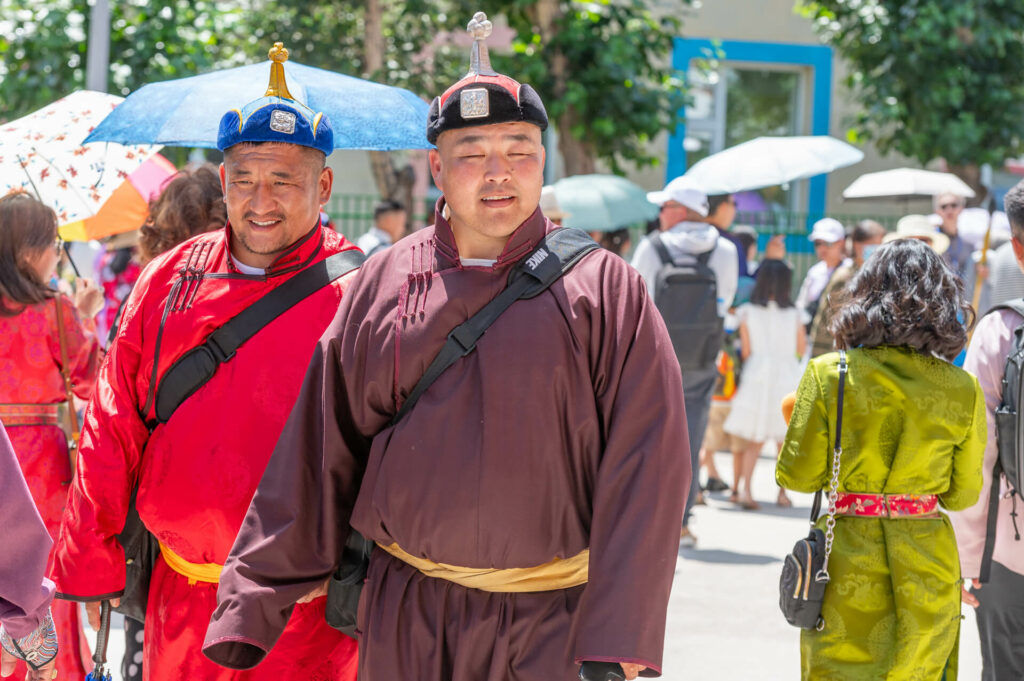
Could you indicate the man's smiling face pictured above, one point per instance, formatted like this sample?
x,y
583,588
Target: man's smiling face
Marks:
x,y
273,193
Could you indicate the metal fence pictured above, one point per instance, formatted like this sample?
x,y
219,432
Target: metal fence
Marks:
x,y
353,216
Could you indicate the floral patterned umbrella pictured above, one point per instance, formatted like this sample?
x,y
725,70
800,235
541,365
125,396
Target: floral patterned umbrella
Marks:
x,y
42,153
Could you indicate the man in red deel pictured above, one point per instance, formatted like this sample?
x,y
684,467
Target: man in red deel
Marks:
x,y
197,456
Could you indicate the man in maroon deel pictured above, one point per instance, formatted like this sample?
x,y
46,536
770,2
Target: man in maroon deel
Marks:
x,y
527,510
196,469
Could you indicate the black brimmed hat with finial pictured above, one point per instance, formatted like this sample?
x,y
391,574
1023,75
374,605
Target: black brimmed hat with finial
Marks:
x,y
483,96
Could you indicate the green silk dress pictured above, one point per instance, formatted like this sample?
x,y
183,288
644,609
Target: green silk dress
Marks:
x,y
912,424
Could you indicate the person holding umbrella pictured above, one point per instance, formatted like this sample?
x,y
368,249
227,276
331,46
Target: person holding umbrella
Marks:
x,y
50,356
192,395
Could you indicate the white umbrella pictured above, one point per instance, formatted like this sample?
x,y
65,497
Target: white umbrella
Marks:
x,y
906,183
42,153
769,161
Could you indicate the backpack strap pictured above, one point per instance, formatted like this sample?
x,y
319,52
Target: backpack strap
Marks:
x,y
1017,305
197,366
556,254
990,524
660,249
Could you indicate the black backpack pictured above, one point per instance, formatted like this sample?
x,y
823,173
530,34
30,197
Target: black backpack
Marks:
x,y
1009,435
686,295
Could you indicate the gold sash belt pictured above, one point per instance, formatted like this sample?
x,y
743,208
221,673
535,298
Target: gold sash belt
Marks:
x,y
195,572
560,573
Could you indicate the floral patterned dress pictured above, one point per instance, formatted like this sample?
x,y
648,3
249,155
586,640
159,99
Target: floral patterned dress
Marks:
x,y
912,424
30,361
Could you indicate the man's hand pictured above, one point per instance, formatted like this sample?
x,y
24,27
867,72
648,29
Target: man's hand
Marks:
x,y
315,593
45,673
92,612
969,598
632,670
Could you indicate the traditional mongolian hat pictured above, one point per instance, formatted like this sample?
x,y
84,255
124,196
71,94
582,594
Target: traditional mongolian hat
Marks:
x,y
483,96
276,116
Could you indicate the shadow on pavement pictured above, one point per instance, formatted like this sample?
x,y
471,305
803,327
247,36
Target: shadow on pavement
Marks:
x,y
727,557
802,512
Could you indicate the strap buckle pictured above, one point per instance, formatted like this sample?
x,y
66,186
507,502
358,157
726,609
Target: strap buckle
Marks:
x,y
217,351
464,338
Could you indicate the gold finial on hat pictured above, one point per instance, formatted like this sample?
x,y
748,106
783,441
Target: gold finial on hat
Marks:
x,y
479,60
278,55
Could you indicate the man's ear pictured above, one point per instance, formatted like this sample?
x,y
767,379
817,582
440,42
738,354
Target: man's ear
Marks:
x,y
434,157
1018,251
223,182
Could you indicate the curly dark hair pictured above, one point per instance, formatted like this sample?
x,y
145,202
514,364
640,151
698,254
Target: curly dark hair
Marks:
x,y
904,295
190,204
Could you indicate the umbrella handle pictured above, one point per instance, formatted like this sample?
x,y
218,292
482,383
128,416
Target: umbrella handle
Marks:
x,y
71,260
99,656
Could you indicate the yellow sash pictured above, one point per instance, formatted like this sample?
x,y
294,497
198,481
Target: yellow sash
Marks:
x,y
195,572
560,573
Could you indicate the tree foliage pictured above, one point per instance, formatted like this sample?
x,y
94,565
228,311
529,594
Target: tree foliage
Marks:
x,y
602,67
43,46
935,78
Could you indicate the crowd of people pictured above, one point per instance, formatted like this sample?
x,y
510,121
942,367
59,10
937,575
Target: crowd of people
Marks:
x,y
278,407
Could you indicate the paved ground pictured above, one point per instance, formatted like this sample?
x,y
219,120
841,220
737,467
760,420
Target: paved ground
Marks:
x,y
724,623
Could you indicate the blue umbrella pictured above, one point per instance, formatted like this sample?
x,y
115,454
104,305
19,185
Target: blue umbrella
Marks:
x,y
602,203
186,112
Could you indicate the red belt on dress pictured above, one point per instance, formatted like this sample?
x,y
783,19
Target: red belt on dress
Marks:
x,y
30,414
888,505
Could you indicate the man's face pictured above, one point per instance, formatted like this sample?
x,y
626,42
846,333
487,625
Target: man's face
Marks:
x,y
949,208
671,214
273,193
831,253
725,214
392,222
491,177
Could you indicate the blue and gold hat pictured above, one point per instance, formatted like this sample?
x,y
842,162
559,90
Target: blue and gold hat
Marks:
x,y
483,96
276,116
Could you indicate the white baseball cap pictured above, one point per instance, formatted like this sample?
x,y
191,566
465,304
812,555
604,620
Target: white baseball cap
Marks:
x,y
828,230
682,191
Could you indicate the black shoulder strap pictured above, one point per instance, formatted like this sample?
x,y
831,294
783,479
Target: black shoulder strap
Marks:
x,y
557,253
661,249
990,523
843,368
198,365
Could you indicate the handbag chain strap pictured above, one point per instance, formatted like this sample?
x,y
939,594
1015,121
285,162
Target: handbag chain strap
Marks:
x,y
833,485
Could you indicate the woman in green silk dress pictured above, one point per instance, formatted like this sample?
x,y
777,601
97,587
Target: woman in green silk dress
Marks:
x,y
912,424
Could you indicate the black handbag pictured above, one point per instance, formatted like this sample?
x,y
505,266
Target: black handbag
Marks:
x,y
555,255
805,569
140,551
